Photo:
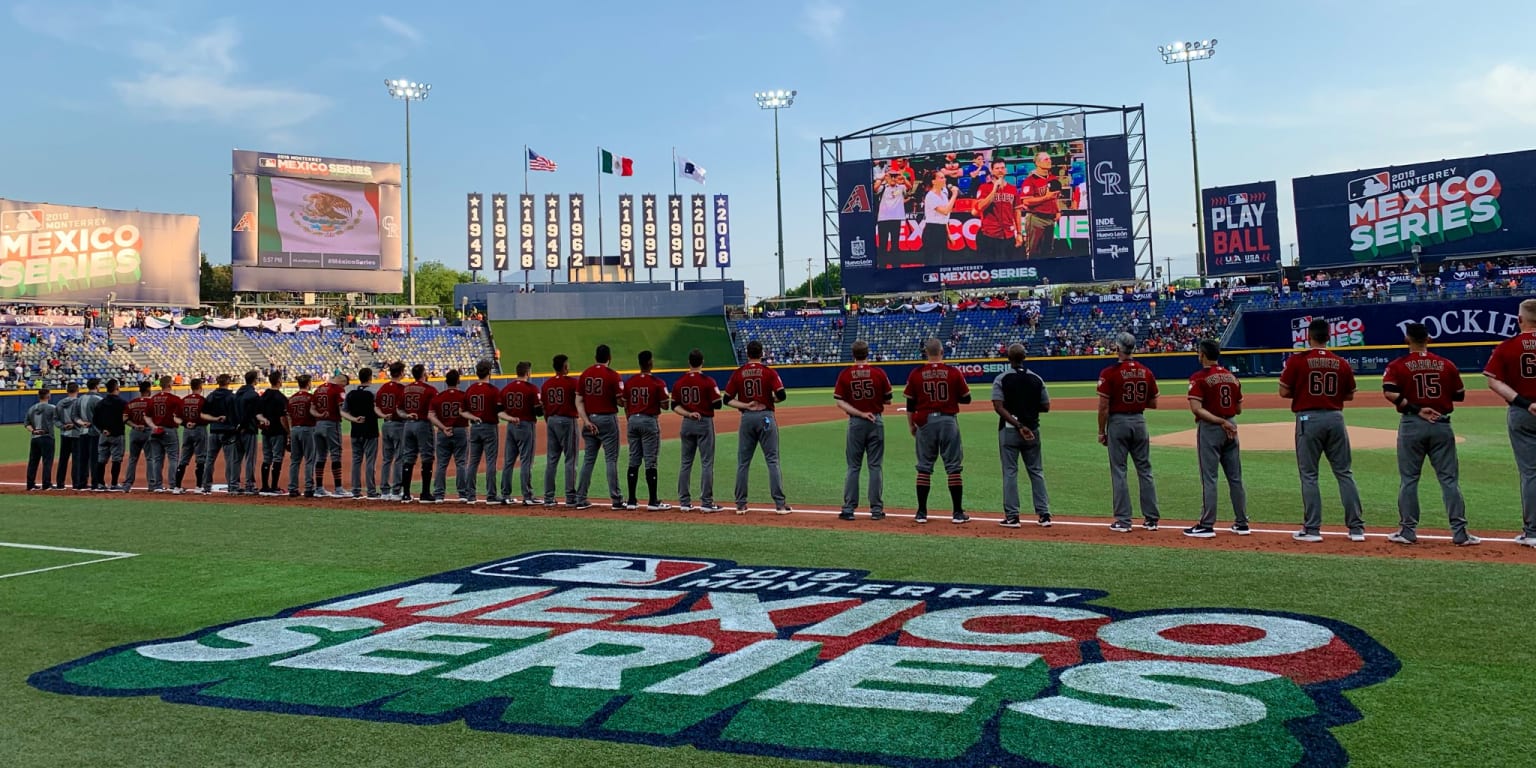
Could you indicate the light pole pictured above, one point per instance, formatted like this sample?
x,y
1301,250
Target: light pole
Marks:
x,y
777,100
409,91
1185,52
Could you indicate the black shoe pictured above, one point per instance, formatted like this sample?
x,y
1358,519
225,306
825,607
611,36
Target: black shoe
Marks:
x,y
1043,520
309,494
293,494
1011,522
920,518
583,505
845,515
960,518
1120,526
1149,525
1200,532
1241,529
877,515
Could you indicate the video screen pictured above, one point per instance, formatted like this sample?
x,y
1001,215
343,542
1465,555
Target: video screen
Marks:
x,y
310,223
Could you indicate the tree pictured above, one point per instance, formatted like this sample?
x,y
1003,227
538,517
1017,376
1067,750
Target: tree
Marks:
x,y
827,285
434,283
215,282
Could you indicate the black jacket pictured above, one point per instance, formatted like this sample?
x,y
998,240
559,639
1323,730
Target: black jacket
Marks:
x,y
108,416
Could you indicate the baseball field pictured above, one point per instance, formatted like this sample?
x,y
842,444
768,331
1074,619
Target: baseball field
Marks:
x,y
181,630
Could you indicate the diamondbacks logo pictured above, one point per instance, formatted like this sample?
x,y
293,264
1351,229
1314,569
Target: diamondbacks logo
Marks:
x,y
247,222
858,200
791,662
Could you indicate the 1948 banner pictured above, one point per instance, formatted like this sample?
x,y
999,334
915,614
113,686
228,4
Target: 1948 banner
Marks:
x,y
1242,229
68,253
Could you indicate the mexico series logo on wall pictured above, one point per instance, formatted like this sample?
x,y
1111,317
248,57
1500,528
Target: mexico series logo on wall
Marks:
x,y
792,662
72,253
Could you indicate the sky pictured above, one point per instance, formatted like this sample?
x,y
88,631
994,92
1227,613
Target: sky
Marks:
x,y
137,105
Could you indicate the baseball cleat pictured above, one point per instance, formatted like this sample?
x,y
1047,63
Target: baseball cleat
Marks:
x,y
1357,535
1010,522
1310,538
1240,529
1200,532
741,509
1469,541
1043,520
920,518
1149,525
845,515
1525,541
580,505
960,518
1120,526
658,507
784,510
1398,538
710,508
878,515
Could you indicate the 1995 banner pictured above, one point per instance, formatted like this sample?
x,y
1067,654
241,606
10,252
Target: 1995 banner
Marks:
x,y
68,253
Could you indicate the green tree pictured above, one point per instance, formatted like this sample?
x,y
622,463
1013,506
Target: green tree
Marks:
x,y
215,284
827,285
434,283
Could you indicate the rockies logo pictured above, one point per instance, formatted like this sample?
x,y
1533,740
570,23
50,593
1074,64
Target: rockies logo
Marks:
x,y
1105,175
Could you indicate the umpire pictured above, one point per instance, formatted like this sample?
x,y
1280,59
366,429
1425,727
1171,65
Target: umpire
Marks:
x,y
1019,397
1425,388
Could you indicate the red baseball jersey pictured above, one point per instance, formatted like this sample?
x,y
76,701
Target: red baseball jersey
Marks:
x,y
696,393
519,398
935,388
1426,378
450,405
138,408
387,399
163,408
644,395
1034,186
298,409
1319,380
416,399
483,399
999,219
1130,387
601,390
864,387
326,402
1217,390
754,383
559,395
192,409
1514,362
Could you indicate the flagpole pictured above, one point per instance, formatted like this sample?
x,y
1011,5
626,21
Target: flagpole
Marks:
x,y
525,169
602,260
677,284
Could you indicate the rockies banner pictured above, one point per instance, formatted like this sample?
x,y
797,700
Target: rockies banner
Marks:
x,y
627,231
476,232
552,232
578,232
700,233
649,248
1242,229
499,254
526,233
675,231
68,254
722,231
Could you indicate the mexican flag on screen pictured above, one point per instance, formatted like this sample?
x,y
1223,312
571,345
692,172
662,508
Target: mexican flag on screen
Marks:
x,y
616,164
307,216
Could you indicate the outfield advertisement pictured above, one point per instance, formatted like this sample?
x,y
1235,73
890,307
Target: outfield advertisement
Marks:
x,y
1242,229
1358,325
1458,207
303,223
72,254
915,222
816,664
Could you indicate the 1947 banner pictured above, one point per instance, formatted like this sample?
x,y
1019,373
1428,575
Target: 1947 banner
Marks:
x,y
1242,229
499,232
67,253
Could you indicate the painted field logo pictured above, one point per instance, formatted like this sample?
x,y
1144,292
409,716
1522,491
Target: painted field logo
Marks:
x,y
814,664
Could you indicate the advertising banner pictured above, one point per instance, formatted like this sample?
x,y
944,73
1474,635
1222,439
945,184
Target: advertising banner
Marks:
x,y
1358,325
71,254
303,223
1449,208
1242,229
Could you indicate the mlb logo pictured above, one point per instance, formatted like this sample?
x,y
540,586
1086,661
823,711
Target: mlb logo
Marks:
x,y
597,568
1237,198
1301,323
1370,186
266,162
26,220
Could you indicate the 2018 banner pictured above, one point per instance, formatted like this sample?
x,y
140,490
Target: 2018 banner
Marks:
x,y
1448,208
722,231
69,254
1242,229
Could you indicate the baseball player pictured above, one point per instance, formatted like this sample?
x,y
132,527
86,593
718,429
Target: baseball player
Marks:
x,y
301,439
1511,372
754,389
1126,390
272,417
386,405
696,398
1216,398
1018,398
482,400
248,402
415,403
165,412
39,421
139,428
597,403
450,416
935,391
520,409
69,431
645,396
357,408
325,406
87,445
194,438
560,415
1425,388
1318,383
862,392
108,418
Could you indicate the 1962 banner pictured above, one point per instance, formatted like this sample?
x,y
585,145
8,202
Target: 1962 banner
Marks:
x,y
1242,229
67,253
578,207
1457,207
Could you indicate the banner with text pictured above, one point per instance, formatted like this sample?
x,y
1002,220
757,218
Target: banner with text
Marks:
x,y
71,254
1357,325
1242,229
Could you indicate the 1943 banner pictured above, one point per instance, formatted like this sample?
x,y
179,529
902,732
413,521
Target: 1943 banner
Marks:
x,y
475,230
68,254
1242,229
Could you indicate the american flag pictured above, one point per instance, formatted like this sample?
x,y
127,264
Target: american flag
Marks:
x,y
538,162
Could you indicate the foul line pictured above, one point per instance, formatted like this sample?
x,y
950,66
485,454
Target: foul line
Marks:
x,y
106,557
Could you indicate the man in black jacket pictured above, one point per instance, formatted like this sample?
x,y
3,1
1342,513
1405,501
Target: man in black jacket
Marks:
x,y
108,418
222,413
248,401
273,420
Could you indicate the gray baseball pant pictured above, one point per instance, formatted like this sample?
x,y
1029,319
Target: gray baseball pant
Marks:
x,y
247,453
519,451
758,429
328,446
1522,437
1127,437
138,443
697,437
560,441
1417,438
866,439
365,465
273,447
161,456
301,443
418,444
1011,447
940,439
1322,433
392,440
226,443
450,447
607,438
644,440
1216,451
194,446
483,441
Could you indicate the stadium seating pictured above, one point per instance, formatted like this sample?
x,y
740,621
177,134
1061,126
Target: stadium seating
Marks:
x,y
791,339
899,336
327,352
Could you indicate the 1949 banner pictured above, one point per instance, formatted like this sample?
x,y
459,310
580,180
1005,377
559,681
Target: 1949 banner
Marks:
x,y
69,254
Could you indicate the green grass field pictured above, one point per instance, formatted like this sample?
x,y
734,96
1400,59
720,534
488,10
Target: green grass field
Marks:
x,y
669,338
1461,697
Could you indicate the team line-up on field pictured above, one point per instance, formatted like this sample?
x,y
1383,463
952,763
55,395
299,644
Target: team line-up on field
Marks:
x,y
416,423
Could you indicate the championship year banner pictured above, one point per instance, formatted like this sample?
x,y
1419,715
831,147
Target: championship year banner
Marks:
x,y
578,207
1449,208
675,227
552,231
722,231
526,232
499,253
476,232
650,251
70,254
1242,229
627,231
700,232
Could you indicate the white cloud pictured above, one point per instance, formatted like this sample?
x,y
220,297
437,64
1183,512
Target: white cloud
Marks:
x,y
404,30
1508,88
822,21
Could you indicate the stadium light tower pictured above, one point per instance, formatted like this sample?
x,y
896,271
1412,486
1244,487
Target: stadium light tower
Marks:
x,y
777,100
1181,52
409,91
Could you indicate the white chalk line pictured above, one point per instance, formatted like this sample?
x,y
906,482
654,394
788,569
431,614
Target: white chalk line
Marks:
x,y
106,557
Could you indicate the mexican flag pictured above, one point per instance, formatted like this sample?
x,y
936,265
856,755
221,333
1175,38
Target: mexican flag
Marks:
x,y
611,163
313,216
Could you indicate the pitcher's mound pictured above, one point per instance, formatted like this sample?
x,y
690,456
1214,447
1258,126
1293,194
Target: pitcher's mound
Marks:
x,y
1281,436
